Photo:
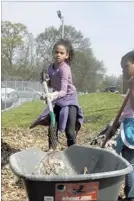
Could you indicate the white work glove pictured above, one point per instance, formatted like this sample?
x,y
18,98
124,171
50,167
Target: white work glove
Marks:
x,y
110,143
52,96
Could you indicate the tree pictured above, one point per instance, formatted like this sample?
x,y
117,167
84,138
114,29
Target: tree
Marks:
x,y
86,68
46,40
18,51
112,81
11,39
87,71
76,38
24,56
26,53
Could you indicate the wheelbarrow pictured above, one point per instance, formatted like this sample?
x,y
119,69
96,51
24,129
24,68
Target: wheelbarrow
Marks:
x,y
105,172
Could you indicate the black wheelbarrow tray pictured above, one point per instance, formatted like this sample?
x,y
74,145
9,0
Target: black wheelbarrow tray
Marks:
x,y
105,174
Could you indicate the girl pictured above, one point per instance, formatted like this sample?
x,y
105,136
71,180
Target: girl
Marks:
x,y
125,141
68,114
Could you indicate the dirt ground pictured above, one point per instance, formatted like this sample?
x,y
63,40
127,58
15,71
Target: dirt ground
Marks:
x,y
14,140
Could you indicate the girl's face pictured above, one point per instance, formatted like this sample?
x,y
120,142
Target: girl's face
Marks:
x,y
60,54
128,69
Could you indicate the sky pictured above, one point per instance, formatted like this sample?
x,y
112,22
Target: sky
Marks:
x,y
109,25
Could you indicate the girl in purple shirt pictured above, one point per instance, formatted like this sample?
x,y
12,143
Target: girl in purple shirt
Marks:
x,y
64,92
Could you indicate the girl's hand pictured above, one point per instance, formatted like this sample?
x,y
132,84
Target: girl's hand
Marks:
x,y
52,96
43,97
110,143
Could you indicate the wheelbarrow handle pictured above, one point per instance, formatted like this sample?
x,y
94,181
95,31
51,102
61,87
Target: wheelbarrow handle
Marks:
x,y
112,128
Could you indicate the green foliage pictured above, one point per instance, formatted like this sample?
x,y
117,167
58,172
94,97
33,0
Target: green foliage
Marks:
x,y
22,116
87,71
99,109
11,38
108,81
23,56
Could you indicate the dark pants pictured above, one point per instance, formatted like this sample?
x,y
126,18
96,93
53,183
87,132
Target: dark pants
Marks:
x,y
70,127
128,154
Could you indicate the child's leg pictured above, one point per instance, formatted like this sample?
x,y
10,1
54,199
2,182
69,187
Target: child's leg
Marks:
x,y
70,128
57,112
128,154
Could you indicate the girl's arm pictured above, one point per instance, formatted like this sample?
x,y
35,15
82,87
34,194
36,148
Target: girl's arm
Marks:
x,y
64,74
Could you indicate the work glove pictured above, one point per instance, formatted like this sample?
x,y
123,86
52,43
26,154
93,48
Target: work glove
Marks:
x,y
52,96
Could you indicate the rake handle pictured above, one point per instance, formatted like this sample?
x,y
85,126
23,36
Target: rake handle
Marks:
x,y
108,133
52,133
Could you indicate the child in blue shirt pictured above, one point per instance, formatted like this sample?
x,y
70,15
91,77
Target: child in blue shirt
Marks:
x,y
125,141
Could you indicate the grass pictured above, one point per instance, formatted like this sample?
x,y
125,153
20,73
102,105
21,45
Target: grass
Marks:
x,y
22,116
98,110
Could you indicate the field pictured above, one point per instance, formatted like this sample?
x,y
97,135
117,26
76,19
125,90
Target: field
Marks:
x,y
98,110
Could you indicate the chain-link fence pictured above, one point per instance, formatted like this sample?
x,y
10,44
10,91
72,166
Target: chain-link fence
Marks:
x,y
15,93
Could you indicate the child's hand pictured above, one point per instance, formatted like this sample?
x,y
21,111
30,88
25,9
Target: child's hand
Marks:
x,y
44,99
110,143
52,96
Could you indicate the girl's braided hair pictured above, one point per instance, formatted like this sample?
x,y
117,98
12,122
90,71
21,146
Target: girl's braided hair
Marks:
x,y
67,44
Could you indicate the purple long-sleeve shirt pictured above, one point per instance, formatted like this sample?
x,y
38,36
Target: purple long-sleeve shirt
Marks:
x,y
64,103
61,79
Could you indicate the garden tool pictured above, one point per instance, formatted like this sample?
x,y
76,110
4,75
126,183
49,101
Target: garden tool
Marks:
x,y
52,128
111,130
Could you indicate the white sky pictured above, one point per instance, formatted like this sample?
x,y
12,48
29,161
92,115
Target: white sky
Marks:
x,y
109,25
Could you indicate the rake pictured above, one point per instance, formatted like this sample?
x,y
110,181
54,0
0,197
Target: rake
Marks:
x,y
52,128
